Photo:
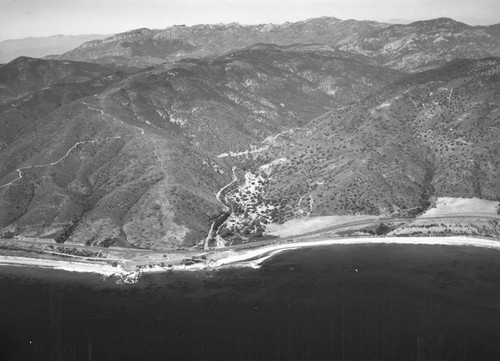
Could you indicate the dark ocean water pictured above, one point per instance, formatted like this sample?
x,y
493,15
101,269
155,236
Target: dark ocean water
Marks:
x,y
373,302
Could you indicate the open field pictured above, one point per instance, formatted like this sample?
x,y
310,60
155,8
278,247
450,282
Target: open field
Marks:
x,y
449,206
308,224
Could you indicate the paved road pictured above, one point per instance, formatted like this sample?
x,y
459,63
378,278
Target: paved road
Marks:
x,y
367,222
190,252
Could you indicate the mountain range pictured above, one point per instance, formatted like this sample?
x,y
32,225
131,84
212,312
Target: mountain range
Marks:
x,y
38,47
410,47
145,47
146,138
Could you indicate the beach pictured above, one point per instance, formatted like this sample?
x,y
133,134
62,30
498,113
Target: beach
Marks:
x,y
129,271
255,257
352,301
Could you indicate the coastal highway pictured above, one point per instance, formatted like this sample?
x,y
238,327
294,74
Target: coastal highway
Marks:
x,y
483,218
52,243
41,242
478,217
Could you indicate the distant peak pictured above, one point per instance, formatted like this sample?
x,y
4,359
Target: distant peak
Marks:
x,y
23,59
140,31
438,22
128,34
324,18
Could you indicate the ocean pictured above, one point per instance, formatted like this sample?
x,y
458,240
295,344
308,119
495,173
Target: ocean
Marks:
x,y
338,302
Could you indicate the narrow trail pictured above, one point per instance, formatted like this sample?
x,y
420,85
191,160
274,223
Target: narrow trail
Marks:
x,y
160,160
20,170
449,96
138,132
141,132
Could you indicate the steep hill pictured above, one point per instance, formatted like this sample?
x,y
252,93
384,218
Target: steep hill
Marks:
x,y
432,134
239,99
139,163
26,114
25,75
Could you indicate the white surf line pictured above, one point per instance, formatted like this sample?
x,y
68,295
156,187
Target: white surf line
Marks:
x,y
70,266
251,257
257,263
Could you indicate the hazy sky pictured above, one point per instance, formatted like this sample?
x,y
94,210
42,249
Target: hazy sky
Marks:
x,y
23,18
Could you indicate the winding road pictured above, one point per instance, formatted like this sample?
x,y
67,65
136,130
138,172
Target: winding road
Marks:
x,y
212,233
141,132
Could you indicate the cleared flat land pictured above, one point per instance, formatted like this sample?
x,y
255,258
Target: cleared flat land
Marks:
x,y
310,224
446,206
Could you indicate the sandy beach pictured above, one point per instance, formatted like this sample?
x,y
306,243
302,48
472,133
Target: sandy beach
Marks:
x,y
70,266
233,258
255,257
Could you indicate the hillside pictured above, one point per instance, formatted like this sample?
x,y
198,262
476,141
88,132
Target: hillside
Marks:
x,y
237,100
427,44
154,158
432,134
25,75
139,163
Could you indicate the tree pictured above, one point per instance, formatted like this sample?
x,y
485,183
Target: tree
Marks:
x,y
8,234
382,229
66,233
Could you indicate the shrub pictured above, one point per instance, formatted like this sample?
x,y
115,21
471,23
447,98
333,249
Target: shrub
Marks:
x,y
108,242
66,233
8,234
382,229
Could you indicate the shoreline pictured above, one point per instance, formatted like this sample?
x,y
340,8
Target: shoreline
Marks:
x,y
63,265
221,259
254,258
